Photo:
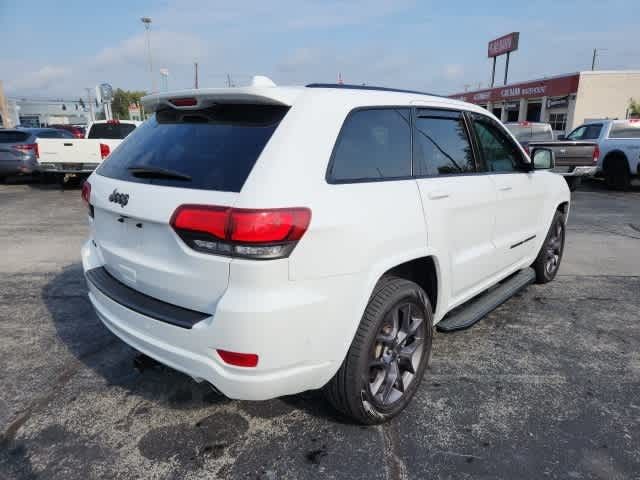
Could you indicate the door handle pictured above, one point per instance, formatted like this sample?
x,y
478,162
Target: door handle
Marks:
x,y
437,195
505,188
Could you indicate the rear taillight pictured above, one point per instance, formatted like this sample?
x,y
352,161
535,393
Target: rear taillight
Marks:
x,y
250,233
596,154
238,359
28,148
104,151
184,102
86,197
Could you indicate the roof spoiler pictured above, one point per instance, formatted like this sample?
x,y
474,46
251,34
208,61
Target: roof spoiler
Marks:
x,y
262,91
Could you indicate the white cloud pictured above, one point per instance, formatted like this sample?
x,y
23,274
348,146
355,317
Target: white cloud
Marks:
x,y
168,48
453,71
41,79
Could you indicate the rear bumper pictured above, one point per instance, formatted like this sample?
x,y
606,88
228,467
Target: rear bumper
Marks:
x,y
14,167
287,340
68,167
578,171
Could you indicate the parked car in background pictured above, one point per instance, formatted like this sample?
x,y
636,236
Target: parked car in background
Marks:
x,y
272,240
618,149
76,130
82,156
526,132
19,150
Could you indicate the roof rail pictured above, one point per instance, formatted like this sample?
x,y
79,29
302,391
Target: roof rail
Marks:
x,y
347,86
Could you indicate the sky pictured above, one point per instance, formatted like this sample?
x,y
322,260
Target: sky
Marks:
x,y
55,49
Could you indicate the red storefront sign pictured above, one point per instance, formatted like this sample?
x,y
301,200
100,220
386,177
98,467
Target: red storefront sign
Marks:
x,y
504,44
553,87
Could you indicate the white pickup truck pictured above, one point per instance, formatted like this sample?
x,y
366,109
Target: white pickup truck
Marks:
x,y
81,156
619,149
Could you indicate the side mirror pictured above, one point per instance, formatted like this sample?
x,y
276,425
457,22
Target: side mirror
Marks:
x,y
542,159
562,137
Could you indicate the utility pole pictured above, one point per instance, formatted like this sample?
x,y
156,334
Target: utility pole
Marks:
x,y
92,115
195,72
146,21
593,60
229,84
7,121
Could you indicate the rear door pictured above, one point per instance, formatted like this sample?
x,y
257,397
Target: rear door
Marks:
x,y
200,157
458,202
519,192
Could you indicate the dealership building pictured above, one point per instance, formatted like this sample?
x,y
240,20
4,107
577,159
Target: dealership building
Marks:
x,y
564,101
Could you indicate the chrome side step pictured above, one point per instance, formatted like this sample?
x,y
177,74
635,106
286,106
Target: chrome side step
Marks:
x,y
476,308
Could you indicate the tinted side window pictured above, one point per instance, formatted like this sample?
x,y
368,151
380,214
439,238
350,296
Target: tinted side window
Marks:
x,y
441,145
373,144
498,151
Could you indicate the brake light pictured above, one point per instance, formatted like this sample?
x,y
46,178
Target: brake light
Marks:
x,y
596,154
28,147
238,359
184,102
105,150
250,233
114,121
86,197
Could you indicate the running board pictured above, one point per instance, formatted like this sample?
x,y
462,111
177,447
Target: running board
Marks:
x,y
472,311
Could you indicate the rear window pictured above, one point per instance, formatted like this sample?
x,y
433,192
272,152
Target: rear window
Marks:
x,y
113,131
211,149
625,130
54,134
531,133
13,137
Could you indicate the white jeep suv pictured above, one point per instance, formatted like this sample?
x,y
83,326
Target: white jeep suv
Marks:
x,y
271,240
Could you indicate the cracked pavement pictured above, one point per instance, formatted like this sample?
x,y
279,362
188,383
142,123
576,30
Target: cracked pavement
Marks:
x,y
546,386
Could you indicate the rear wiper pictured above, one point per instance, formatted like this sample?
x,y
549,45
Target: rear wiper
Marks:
x,y
156,172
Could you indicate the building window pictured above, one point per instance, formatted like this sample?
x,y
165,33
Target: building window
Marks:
x,y
558,121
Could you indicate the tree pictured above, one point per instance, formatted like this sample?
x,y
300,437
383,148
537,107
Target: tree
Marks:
x,y
634,108
121,101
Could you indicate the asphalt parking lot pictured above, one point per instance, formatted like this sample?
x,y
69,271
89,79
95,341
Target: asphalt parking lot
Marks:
x,y
547,386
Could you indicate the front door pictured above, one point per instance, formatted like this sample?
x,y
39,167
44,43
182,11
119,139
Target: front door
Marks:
x,y
458,202
519,192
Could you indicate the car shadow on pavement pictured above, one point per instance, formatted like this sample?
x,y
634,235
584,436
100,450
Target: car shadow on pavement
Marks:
x,y
95,347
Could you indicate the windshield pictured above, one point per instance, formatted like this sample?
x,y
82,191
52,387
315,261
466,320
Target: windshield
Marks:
x,y
586,132
210,149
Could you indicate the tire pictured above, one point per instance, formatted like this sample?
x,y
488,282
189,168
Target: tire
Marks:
x,y
548,261
573,183
616,173
383,349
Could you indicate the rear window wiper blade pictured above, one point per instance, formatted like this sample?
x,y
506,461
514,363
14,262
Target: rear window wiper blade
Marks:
x,y
157,172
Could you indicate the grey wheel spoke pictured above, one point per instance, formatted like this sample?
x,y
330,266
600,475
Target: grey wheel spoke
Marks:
x,y
405,364
389,382
416,323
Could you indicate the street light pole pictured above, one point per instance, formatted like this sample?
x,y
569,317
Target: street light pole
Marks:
x,y
146,21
